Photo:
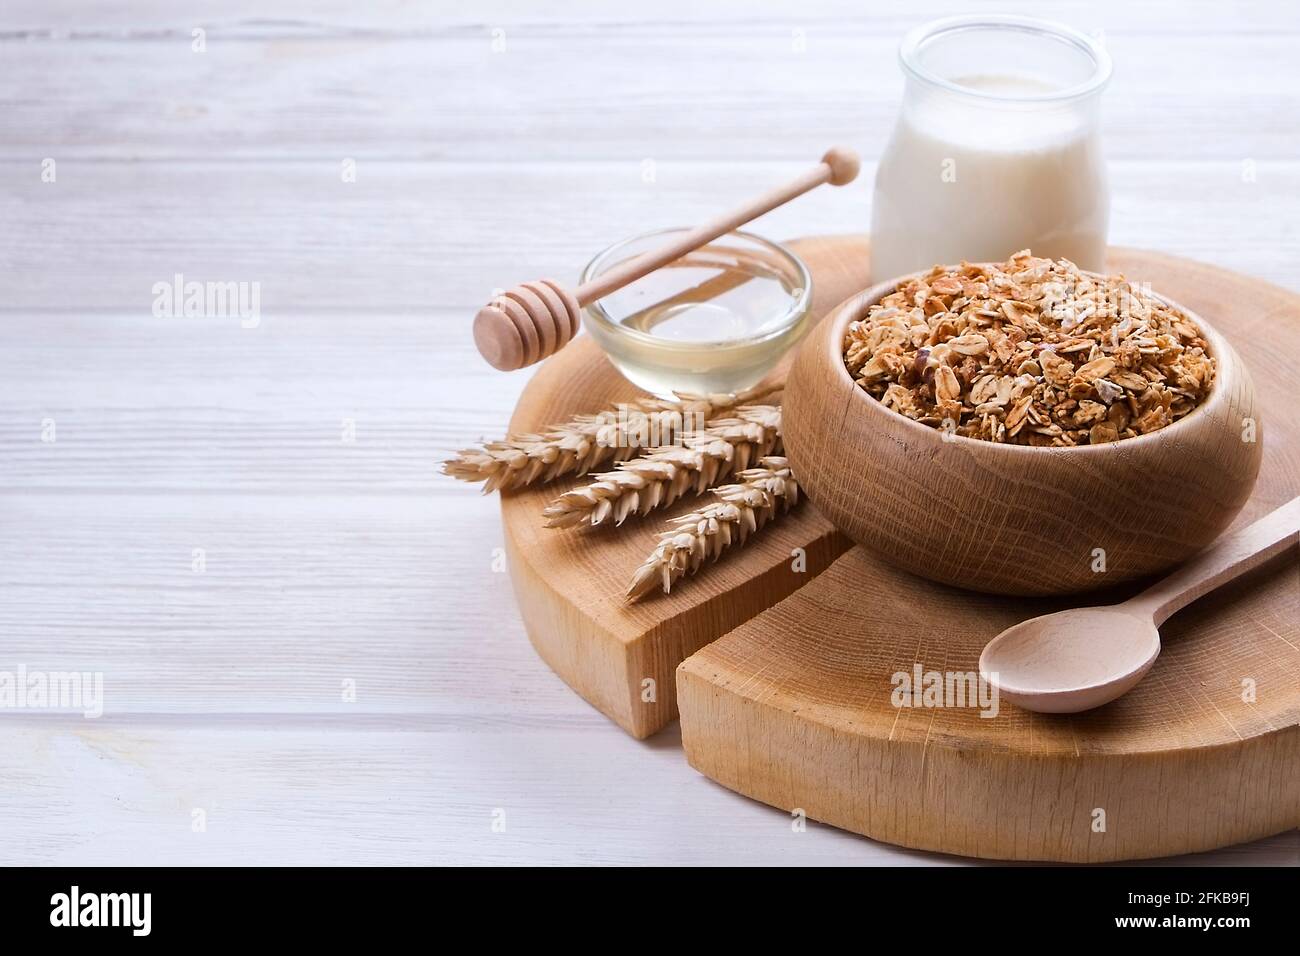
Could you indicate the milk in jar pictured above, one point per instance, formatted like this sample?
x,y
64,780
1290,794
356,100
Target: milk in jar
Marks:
x,y
996,148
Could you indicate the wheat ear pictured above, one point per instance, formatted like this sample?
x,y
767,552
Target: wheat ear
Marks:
x,y
588,441
740,510
704,458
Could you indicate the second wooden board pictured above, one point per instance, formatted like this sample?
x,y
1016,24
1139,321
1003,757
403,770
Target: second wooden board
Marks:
x,y
820,703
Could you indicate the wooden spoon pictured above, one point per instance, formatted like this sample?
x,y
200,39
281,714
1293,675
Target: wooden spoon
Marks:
x,y
532,321
1075,660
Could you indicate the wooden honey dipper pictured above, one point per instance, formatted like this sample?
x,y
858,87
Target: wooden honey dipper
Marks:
x,y
532,321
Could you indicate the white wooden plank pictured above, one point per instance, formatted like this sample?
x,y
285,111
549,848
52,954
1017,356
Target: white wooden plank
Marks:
x,y
198,405
406,597
72,18
94,793
670,92
410,236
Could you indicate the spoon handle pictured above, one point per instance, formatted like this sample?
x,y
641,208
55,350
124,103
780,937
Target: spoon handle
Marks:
x,y
1229,557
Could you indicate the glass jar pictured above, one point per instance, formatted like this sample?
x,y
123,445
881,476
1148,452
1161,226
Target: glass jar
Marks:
x,y
996,148
716,320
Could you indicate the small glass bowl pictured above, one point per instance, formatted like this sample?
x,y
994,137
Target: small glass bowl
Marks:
x,y
716,320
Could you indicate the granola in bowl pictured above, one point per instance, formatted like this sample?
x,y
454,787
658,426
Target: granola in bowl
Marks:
x,y
1030,351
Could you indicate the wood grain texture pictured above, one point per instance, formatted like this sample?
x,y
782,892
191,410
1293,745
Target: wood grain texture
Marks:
x,y
794,708
800,717
325,86
1010,519
1081,658
570,584
1233,555
296,595
70,19
201,406
106,231
353,790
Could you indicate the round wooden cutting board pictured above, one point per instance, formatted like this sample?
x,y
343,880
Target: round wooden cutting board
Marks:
x,y
796,707
785,692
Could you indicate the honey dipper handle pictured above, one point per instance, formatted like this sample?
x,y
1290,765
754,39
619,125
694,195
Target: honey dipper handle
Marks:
x,y
1231,556
838,166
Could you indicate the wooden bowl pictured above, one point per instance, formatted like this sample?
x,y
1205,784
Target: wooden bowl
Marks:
x,y
1014,519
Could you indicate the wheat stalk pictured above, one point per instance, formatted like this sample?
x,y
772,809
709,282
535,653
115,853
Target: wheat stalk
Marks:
x,y
740,510
663,475
588,441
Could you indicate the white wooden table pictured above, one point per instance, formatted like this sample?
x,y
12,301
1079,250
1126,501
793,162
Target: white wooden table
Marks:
x,y
345,678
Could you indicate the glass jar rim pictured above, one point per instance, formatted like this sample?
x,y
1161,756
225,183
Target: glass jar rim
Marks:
x,y
799,304
909,49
